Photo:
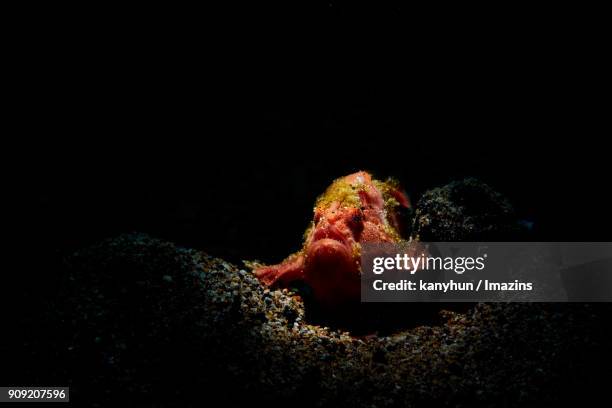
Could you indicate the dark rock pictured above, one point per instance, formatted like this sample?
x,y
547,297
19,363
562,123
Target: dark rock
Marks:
x,y
128,334
466,210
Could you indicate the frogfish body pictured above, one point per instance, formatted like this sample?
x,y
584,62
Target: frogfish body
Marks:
x,y
354,209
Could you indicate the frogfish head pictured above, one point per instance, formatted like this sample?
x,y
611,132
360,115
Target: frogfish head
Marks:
x,y
354,209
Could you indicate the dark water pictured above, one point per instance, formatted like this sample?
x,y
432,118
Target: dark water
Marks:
x,y
230,161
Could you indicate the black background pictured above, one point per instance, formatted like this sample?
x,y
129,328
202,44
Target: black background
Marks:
x,y
217,130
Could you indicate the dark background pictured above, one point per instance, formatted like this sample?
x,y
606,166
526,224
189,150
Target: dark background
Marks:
x,y
218,130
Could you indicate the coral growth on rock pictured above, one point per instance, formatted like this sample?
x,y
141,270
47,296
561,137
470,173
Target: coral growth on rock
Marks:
x,y
143,322
464,210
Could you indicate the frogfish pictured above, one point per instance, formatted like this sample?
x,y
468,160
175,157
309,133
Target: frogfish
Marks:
x,y
354,209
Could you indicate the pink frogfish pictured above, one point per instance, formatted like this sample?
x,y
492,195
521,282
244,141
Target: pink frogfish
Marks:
x,y
353,210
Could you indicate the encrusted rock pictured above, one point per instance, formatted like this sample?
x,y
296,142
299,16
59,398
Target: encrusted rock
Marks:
x,y
144,321
466,210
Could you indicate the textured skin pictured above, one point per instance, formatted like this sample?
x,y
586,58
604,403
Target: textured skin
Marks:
x,y
353,210
465,210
